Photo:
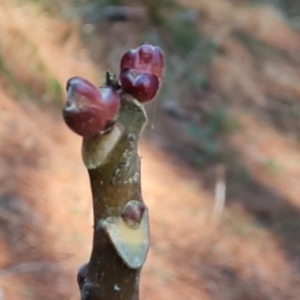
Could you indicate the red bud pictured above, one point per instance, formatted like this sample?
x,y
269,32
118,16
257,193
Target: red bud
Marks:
x,y
133,212
142,86
145,59
89,110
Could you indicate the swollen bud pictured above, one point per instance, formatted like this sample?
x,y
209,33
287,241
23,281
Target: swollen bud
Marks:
x,y
133,212
142,71
145,59
90,110
142,86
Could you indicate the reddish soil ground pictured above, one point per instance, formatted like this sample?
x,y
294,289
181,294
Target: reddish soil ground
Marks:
x,y
250,251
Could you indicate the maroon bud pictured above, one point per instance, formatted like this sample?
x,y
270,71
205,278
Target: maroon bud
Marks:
x,y
133,212
145,59
89,110
111,101
128,60
146,53
142,86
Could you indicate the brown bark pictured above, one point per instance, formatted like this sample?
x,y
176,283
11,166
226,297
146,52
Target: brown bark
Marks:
x,y
121,231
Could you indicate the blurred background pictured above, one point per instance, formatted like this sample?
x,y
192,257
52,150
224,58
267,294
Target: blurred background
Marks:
x,y
220,155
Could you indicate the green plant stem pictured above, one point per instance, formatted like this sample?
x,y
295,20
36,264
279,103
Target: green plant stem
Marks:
x,y
119,247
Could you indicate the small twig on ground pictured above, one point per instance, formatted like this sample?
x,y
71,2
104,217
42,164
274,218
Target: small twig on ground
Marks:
x,y
220,192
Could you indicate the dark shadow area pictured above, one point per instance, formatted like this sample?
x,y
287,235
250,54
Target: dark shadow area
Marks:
x,y
270,210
